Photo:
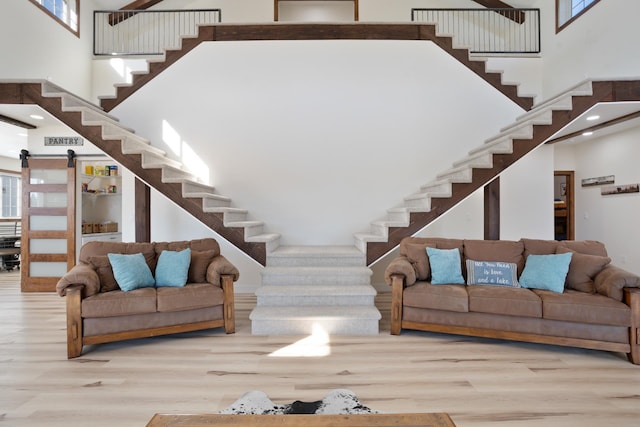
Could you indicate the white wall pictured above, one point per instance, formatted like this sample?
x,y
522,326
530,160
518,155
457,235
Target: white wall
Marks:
x,y
526,197
602,43
610,219
233,11
9,164
35,46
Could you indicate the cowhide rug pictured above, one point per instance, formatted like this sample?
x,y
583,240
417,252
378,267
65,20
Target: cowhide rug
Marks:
x,y
338,401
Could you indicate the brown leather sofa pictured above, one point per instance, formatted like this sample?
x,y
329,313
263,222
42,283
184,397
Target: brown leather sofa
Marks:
x,y
599,307
98,311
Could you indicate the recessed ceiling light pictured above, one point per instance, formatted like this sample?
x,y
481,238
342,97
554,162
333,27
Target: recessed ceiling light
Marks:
x,y
592,118
36,117
587,133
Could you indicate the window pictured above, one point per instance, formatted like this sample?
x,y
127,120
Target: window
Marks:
x,y
64,11
10,201
568,11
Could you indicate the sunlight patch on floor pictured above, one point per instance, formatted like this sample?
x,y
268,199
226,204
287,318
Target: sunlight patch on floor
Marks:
x,y
315,345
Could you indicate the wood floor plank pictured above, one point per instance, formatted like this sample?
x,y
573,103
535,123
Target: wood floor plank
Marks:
x,y
479,382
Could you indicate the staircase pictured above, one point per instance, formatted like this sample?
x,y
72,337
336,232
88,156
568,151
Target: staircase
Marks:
x,y
484,163
317,31
148,163
308,286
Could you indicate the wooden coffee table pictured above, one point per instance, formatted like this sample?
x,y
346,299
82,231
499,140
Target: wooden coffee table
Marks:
x,y
355,420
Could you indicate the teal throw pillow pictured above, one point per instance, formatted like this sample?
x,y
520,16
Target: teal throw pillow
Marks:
x,y
445,266
131,271
546,272
173,268
494,273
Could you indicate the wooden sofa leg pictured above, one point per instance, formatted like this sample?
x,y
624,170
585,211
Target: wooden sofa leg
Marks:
x,y
74,322
397,286
229,304
632,299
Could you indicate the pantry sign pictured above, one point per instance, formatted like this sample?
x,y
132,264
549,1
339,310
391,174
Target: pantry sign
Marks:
x,y
57,141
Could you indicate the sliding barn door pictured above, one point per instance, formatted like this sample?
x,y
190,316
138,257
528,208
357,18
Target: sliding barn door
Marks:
x,y
48,222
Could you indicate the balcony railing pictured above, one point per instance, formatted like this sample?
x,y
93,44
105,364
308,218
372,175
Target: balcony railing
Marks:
x,y
487,31
146,32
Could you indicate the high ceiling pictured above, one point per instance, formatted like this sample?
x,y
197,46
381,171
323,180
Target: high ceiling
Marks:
x,y
14,138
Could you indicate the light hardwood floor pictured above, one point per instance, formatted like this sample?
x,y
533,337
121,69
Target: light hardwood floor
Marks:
x,y
479,382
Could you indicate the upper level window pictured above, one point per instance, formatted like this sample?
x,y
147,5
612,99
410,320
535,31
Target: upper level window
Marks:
x,y
64,11
569,10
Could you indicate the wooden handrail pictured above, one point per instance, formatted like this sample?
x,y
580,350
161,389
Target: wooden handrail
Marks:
x,y
116,18
515,15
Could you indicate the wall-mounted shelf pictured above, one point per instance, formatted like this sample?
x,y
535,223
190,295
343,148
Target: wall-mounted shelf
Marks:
x,y
90,178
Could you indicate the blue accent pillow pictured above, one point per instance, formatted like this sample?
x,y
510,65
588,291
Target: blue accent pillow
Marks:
x,y
493,273
131,271
445,266
172,268
546,272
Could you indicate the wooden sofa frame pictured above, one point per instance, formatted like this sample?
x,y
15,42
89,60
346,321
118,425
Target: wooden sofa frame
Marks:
x,y
76,340
632,349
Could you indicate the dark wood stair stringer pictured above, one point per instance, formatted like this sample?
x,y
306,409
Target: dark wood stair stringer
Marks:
x,y
603,91
280,31
31,93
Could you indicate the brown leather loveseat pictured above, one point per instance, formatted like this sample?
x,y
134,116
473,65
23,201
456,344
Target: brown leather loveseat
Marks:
x,y
99,311
597,306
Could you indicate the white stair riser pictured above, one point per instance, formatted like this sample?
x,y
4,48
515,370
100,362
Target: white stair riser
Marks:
x,y
386,223
172,175
196,187
380,229
253,230
311,261
233,216
360,243
92,118
153,161
310,280
137,146
479,161
423,203
110,131
400,216
460,176
502,146
523,131
544,117
315,300
307,326
437,188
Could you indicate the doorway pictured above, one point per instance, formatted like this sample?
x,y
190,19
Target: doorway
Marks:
x,y
48,222
563,205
